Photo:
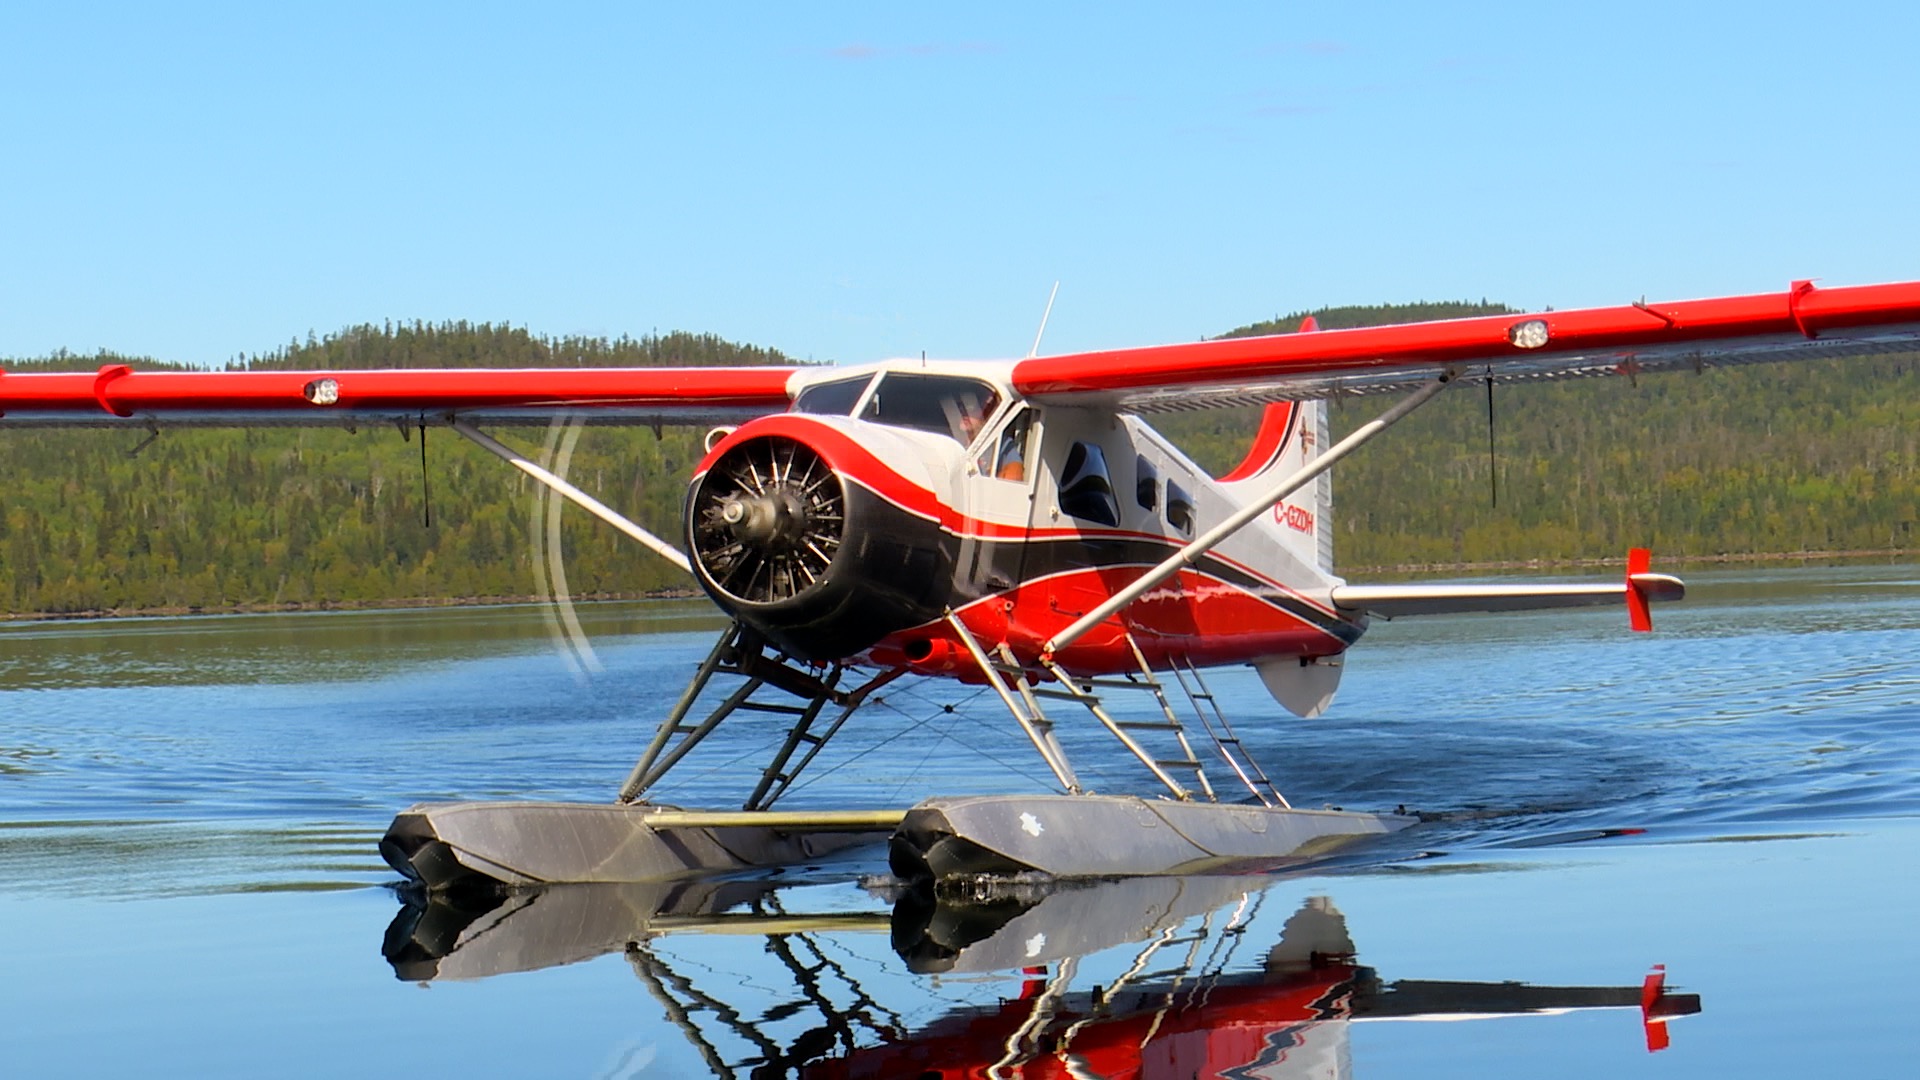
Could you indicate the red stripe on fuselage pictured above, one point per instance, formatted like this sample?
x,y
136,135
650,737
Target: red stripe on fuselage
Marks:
x,y
862,466
1196,618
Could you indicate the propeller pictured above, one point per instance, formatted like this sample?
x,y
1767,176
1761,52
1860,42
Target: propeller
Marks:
x,y
549,561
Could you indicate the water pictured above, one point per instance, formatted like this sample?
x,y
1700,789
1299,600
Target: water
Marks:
x,y
188,882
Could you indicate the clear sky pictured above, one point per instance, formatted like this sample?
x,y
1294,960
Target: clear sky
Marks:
x,y
848,182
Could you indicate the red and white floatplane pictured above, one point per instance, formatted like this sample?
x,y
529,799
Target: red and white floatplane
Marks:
x,y
1017,524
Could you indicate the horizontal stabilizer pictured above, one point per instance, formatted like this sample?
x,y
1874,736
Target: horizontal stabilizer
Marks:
x,y
1392,601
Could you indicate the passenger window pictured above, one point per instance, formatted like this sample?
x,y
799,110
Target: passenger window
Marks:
x,y
835,398
1086,491
1179,508
945,404
1146,483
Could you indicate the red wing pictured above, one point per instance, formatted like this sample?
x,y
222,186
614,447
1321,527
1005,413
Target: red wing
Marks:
x,y
115,395
1801,323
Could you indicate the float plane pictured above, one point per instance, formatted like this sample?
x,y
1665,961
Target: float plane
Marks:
x,y
1016,524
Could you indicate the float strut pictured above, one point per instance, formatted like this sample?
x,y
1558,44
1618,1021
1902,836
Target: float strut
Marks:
x,y
638,779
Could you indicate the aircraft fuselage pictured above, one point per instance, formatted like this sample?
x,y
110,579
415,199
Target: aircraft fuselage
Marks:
x,y
848,528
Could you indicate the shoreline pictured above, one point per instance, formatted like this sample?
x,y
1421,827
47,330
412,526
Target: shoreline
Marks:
x,y
1398,569
405,603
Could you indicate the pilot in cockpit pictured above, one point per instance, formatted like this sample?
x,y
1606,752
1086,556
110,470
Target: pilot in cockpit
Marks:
x,y
966,412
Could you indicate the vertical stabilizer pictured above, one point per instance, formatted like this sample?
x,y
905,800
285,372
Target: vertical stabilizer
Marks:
x,y
1291,434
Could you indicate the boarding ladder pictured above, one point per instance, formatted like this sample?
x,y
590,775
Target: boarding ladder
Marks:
x,y
1013,682
1231,749
1084,690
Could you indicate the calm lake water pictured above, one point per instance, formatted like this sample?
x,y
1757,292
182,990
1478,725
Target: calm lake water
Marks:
x,y
189,886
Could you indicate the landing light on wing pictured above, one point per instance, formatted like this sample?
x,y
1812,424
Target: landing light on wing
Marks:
x,y
1531,334
322,392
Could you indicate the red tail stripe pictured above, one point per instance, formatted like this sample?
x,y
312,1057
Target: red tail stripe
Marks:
x,y
1639,612
1276,425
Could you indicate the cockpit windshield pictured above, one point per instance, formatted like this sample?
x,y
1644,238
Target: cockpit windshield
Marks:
x,y
835,398
947,404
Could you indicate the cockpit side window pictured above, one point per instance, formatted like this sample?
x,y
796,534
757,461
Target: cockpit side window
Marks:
x,y
946,404
1086,488
1005,458
835,398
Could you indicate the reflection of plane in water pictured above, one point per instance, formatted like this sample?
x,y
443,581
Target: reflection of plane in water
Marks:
x,y
1183,1002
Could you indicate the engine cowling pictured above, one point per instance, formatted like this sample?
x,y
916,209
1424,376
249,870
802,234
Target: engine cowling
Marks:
x,y
806,553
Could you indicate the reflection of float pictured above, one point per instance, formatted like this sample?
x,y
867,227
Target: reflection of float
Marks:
x,y
1181,1004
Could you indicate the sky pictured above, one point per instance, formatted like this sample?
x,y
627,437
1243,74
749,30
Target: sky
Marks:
x,y
849,182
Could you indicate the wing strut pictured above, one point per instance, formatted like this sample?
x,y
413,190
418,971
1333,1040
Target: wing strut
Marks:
x,y
1206,541
585,501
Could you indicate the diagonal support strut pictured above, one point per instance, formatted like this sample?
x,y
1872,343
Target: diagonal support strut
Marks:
x,y
573,494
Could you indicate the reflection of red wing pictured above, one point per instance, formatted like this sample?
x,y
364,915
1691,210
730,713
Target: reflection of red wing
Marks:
x,y
115,394
1801,323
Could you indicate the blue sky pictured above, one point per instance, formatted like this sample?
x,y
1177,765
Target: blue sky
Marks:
x,y
848,182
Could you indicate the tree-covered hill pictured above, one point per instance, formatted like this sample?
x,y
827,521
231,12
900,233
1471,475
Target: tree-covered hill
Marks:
x,y
1780,458
218,518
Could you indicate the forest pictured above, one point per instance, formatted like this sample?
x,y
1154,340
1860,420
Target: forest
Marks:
x,y
1770,459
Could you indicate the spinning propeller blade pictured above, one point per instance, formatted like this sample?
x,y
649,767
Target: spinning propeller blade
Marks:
x,y
549,559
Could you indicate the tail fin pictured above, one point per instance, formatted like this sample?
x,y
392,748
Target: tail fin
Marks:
x,y
1292,433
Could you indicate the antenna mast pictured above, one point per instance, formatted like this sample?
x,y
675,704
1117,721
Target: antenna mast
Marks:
x,y
1035,351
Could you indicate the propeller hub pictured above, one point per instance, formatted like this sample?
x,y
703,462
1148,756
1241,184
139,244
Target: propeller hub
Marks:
x,y
769,522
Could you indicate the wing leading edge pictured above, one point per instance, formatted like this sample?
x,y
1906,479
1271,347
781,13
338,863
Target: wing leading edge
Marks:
x,y
118,396
1802,323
